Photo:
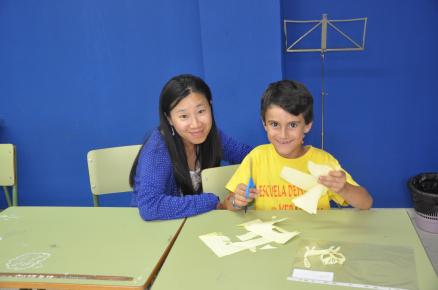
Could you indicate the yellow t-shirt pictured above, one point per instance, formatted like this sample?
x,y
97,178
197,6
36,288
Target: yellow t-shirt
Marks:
x,y
275,192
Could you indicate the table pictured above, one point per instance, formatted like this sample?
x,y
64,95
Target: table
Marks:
x,y
192,265
81,247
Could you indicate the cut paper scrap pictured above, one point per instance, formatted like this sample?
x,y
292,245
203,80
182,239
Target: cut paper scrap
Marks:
x,y
328,256
222,245
259,233
309,200
309,183
269,231
247,236
268,247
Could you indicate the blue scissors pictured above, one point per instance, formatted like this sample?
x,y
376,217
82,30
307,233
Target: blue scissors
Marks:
x,y
250,183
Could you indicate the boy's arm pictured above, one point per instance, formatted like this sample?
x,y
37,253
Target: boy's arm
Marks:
x,y
356,196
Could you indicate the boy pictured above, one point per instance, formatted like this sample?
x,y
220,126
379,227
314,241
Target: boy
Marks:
x,y
287,115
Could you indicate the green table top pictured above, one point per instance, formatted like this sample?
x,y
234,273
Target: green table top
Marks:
x,y
79,246
192,265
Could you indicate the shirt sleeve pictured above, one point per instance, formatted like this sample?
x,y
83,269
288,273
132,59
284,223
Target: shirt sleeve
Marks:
x,y
232,150
240,176
157,195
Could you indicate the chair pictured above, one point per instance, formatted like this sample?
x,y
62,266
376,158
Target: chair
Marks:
x,y
214,179
109,170
8,172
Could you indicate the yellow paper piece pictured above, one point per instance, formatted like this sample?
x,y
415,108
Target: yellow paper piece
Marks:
x,y
247,236
318,170
309,183
270,232
222,245
268,247
259,233
298,178
309,200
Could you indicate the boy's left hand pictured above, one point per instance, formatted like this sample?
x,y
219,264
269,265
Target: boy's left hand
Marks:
x,y
335,180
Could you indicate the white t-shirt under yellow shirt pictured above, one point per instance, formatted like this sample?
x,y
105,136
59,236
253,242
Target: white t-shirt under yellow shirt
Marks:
x,y
275,192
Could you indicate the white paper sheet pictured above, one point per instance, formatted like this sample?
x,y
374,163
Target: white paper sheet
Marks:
x,y
222,246
268,247
271,232
259,233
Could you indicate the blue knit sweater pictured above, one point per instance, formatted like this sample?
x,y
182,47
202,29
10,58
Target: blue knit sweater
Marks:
x,y
155,191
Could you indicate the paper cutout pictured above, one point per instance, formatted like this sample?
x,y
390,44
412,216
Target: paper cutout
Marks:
x,y
268,247
298,178
259,233
309,200
247,236
222,245
268,231
318,170
309,183
328,256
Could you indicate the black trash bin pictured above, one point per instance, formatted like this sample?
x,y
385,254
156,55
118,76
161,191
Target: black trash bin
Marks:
x,y
424,189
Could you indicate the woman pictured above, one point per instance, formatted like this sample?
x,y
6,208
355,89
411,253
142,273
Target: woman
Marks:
x,y
166,173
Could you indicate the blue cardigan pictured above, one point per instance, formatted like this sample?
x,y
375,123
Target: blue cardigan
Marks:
x,y
155,191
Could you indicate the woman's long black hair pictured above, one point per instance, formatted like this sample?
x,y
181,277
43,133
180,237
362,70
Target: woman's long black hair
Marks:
x,y
208,154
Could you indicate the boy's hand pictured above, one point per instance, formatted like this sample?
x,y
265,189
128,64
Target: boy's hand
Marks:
x,y
335,180
239,195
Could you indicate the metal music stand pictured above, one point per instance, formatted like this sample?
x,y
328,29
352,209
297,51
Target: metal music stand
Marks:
x,y
324,23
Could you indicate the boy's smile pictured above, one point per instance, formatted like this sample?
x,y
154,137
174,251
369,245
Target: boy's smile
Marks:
x,y
285,131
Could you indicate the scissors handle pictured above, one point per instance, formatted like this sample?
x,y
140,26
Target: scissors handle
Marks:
x,y
250,183
249,186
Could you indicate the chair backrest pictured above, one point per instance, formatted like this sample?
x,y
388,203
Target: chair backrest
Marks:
x,y
7,164
214,179
8,172
109,169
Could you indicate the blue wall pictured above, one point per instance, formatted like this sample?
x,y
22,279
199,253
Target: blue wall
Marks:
x,y
381,109
79,75
242,54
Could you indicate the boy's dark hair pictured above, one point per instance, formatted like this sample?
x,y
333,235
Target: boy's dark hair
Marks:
x,y
291,96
